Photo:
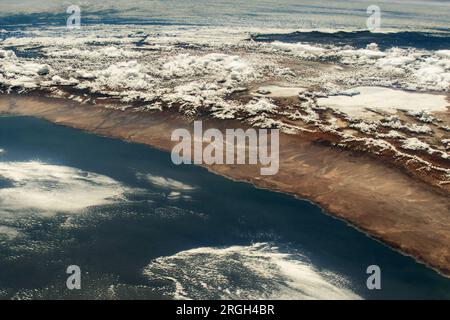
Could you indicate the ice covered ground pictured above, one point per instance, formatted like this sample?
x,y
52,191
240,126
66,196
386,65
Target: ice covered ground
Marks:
x,y
386,101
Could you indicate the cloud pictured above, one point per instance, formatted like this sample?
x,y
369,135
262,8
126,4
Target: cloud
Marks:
x,y
259,271
8,232
166,183
35,187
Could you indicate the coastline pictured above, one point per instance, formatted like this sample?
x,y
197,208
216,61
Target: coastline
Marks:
x,y
404,213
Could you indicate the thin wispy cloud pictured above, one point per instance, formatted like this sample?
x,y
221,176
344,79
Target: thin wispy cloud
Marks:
x,y
166,183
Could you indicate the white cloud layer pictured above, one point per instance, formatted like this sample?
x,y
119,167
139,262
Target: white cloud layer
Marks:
x,y
384,99
259,271
49,189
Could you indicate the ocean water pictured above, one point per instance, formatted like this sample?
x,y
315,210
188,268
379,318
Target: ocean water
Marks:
x,y
140,227
361,39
